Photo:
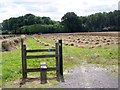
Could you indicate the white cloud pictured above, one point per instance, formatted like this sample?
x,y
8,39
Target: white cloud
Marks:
x,y
54,8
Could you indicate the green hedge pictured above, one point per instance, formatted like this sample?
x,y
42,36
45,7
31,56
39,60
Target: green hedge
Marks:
x,y
38,28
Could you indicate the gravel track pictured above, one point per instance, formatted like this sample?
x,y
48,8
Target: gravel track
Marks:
x,y
89,76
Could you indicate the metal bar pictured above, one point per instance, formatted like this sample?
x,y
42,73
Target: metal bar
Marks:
x,y
43,72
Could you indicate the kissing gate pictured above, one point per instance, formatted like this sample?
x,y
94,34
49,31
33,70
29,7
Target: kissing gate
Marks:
x,y
43,68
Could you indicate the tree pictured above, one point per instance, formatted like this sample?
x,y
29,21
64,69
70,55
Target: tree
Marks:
x,y
71,22
29,19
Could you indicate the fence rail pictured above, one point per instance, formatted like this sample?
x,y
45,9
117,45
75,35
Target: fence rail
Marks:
x,y
42,50
39,69
40,56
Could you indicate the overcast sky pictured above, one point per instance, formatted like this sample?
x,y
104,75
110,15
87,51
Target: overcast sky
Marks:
x,y
55,9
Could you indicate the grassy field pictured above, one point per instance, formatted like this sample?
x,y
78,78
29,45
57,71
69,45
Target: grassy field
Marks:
x,y
11,61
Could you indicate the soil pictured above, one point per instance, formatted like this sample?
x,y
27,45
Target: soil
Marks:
x,y
82,76
89,76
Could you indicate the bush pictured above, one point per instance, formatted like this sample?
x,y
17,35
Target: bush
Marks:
x,y
38,28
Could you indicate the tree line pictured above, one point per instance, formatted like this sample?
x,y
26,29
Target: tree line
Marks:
x,y
70,22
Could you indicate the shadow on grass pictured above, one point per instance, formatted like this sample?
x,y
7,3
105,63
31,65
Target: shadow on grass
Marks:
x,y
34,79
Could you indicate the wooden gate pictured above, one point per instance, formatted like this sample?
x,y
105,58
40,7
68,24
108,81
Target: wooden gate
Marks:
x,y
58,56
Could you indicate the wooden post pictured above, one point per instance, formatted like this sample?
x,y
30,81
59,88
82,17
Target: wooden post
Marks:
x,y
61,61
57,62
43,73
24,64
21,45
22,55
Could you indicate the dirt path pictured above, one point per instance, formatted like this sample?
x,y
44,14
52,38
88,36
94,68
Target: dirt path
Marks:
x,y
89,76
83,76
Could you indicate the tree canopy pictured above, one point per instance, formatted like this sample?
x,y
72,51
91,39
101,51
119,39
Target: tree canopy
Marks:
x,y
70,22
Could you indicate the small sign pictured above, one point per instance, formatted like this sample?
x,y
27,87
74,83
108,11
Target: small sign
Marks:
x,y
43,65
49,50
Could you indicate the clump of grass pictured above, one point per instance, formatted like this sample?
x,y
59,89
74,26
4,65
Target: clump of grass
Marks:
x,y
11,65
104,55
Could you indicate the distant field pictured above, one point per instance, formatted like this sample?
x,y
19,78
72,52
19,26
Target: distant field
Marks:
x,y
84,40
115,34
105,55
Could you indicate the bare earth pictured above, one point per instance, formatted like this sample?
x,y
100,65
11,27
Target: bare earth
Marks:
x,y
83,76
89,76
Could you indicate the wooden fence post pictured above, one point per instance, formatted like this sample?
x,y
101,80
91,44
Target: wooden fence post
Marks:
x,y
61,61
21,44
24,64
57,62
43,73
22,55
